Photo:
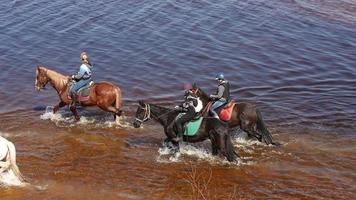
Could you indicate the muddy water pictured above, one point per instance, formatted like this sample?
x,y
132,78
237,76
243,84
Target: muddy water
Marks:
x,y
294,59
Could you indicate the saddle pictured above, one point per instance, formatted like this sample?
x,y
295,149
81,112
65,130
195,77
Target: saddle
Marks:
x,y
191,128
225,111
83,93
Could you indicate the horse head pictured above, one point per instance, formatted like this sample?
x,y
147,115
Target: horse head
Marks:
x,y
142,114
41,78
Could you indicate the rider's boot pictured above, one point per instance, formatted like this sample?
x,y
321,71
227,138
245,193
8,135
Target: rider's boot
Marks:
x,y
179,136
215,115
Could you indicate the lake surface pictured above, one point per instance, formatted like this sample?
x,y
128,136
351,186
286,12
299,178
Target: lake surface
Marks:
x,y
295,59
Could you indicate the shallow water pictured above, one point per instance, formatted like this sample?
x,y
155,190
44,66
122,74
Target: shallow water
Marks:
x,y
293,58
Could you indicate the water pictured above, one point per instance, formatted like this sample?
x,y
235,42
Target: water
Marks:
x,y
293,58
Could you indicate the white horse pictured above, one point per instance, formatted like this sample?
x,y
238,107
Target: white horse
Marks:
x,y
8,166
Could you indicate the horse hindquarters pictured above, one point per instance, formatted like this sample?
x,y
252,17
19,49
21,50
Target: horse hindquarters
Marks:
x,y
107,97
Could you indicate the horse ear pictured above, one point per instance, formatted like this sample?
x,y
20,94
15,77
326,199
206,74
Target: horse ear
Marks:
x,y
141,103
195,86
38,68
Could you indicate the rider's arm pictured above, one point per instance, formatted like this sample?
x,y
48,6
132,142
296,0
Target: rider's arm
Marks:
x,y
84,72
193,100
80,73
220,93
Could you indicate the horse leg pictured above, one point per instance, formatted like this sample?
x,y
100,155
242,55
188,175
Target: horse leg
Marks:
x,y
170,135
75,113
220,144
214,146
117,113
252,134
58,106
12,158
4,166
225,146
249,127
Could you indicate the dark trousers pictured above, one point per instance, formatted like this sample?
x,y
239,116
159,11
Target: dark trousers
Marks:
x,y
188,116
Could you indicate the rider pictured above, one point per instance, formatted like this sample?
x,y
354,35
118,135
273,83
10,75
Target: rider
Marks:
x,y
222,95
191,107
82,78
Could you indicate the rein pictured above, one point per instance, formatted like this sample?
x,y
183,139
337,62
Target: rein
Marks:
x,y
147,115
207,107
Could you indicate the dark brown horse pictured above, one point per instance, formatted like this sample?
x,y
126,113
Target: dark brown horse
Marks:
x,y
105,95
246,116
211,128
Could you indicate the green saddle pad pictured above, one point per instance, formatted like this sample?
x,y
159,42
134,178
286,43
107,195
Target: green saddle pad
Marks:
x,y
192,127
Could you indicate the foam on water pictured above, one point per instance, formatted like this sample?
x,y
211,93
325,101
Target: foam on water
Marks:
x,y
8,178
203,152
165,155
62,120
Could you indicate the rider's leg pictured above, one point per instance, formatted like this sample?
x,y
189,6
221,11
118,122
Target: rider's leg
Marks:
x,y
188,116
215,106
73,94
75,88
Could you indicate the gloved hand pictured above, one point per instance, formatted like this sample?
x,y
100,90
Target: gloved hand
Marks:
x,y
176,107
212,97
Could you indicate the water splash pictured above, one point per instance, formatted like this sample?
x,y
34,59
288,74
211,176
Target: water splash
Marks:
x,y
62,119
8,179
199,152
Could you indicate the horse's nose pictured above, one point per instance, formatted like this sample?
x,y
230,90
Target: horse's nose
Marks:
x,y
136,124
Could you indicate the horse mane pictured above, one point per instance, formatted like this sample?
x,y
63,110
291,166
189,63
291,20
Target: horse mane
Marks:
x,y
57,79
162,114
159,109
203,95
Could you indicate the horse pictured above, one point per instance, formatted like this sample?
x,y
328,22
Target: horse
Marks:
x,y
211,128
104,95
244,115
8,159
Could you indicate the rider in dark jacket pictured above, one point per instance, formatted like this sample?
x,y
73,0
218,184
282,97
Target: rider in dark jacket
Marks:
x,y
191,106
222,95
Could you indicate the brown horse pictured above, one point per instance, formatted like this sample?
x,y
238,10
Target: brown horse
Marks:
x,y
244,115
105,95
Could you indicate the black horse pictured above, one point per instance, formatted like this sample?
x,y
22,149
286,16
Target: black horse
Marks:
x,y
244,115
211,128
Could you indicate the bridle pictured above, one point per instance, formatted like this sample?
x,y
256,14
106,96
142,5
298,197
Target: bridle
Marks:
x,y
147,115
43,83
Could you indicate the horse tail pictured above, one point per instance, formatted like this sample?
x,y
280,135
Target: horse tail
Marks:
x,y
261,128
229,147
13,165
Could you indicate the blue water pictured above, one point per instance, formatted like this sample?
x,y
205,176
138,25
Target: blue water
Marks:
x,y
295,59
